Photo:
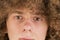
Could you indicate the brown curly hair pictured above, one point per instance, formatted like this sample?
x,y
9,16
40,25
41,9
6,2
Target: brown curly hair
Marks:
x,y
49,8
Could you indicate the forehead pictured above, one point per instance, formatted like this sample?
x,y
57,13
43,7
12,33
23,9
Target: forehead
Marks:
x,y
26,11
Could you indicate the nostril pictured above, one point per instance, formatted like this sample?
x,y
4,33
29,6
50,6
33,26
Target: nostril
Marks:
x,y
24,30
30,30
27,28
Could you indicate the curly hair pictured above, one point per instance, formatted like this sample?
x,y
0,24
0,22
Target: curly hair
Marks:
x,y
48,8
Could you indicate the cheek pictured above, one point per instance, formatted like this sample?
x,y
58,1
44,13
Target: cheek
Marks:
x,y
15,27
13,30
40,29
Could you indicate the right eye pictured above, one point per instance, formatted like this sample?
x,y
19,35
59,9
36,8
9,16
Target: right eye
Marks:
x,y
19,17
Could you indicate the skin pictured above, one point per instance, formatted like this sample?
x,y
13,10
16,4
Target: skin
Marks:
x,y
24,24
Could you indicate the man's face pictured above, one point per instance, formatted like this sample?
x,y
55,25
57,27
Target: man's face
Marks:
x,y
25,24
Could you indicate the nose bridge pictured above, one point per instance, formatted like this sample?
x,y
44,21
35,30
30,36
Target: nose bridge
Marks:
x,y
28,24
28,21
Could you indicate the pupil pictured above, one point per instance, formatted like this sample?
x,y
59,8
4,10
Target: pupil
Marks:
x,y
18,17
37,19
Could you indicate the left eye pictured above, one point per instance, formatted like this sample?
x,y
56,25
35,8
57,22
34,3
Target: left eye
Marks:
x,y
36,19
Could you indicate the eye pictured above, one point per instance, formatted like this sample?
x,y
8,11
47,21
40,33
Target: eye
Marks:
x,y
19,17
36,19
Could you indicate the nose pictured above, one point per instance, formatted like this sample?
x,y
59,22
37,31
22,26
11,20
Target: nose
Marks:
x,y
27,26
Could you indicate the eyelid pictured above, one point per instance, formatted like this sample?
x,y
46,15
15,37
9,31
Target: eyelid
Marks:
x,y
20,16
34,18
37,17
16,15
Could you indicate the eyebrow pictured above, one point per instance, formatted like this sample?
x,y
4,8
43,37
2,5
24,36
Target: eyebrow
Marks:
x,y
17,12
38,13
32,13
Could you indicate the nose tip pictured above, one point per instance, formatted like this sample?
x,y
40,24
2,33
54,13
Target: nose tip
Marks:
x,y
27,27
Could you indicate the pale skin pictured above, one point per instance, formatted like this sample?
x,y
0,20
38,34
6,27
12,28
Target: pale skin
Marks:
x,y
24,25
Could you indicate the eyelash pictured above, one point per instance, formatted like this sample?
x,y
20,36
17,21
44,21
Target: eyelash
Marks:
x,y
35,19
19,17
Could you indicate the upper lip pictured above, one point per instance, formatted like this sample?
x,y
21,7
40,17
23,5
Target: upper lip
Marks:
x,y
26,39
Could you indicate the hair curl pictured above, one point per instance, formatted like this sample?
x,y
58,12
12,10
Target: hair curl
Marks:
x,y
50,8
